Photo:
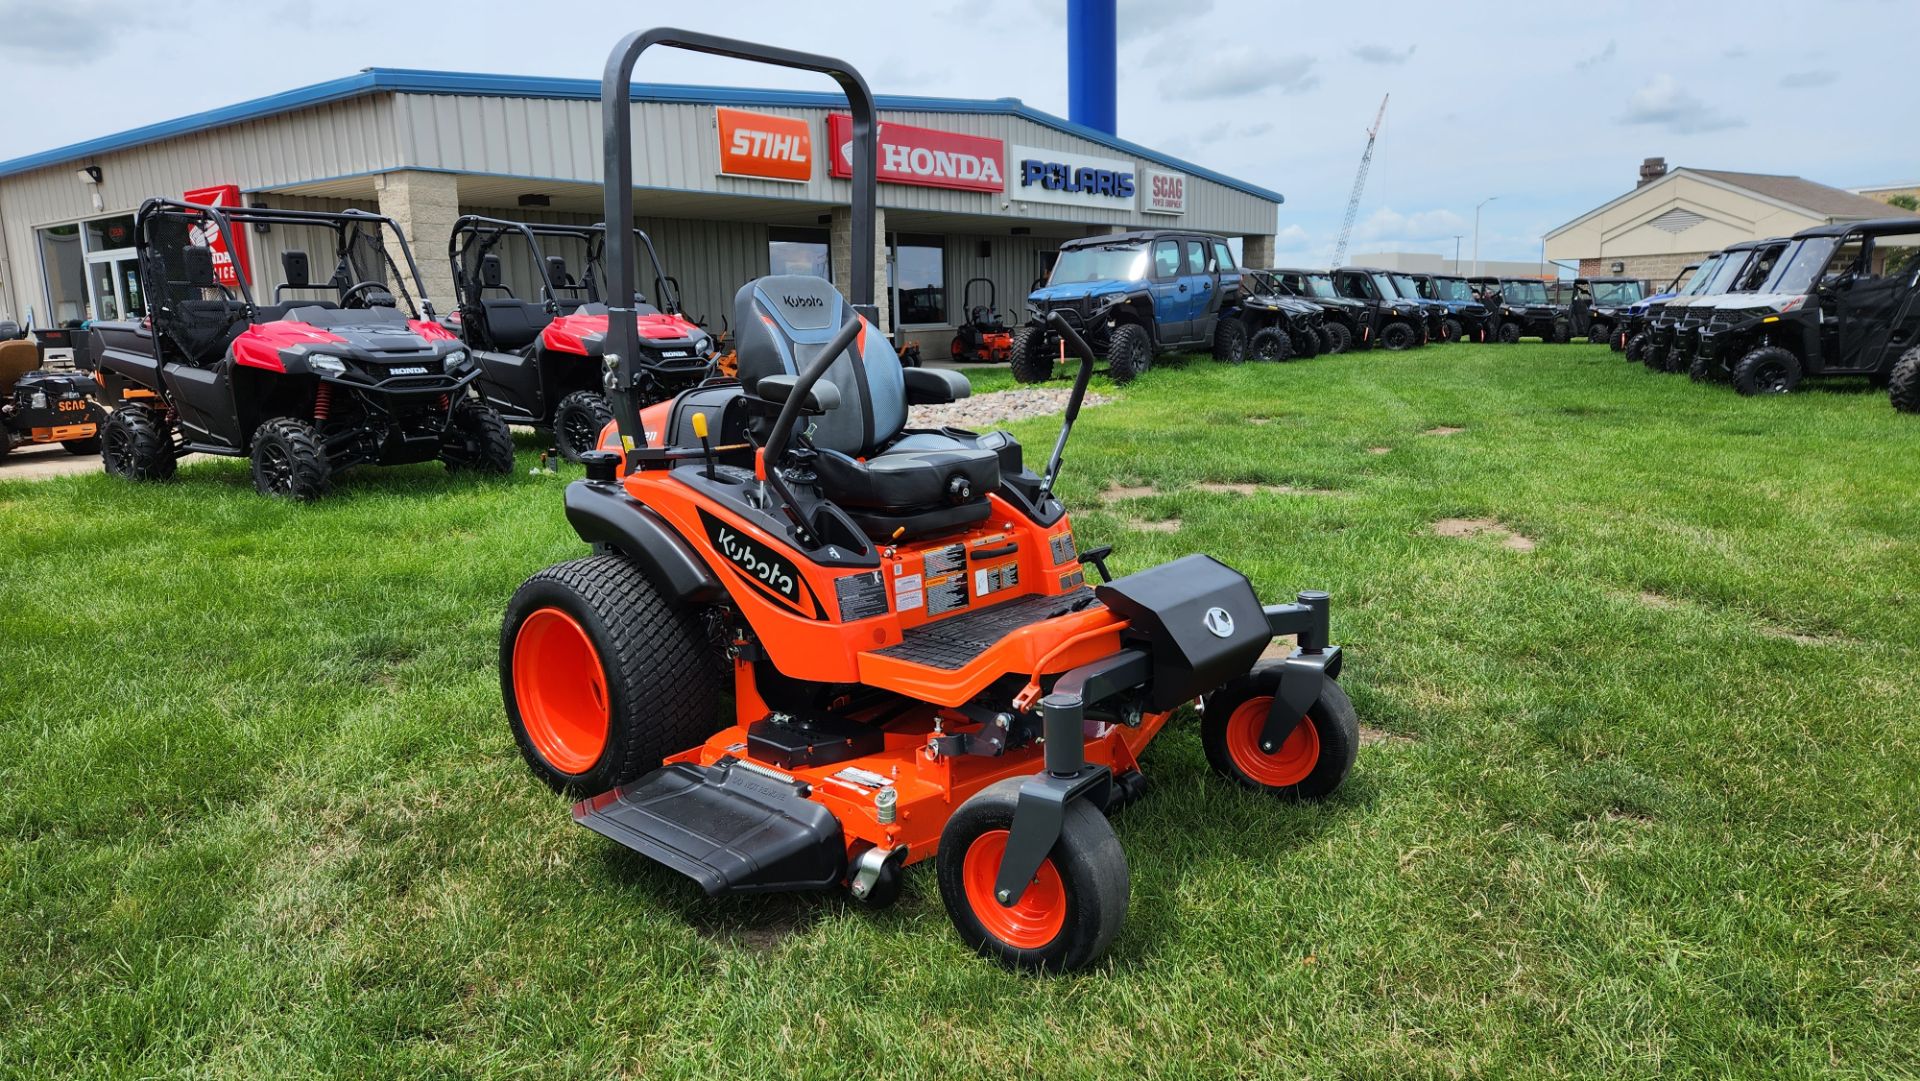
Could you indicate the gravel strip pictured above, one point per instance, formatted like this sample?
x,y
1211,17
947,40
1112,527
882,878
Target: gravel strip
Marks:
x,y
985,411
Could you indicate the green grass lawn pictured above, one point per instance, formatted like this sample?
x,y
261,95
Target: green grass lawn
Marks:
x,y
1644,800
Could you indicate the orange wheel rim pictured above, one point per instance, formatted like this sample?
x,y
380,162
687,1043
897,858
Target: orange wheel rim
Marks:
x,y
561,690
1287,766
1031,922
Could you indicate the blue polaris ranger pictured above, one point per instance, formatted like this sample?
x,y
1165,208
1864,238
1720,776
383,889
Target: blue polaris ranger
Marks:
x,y
1132,295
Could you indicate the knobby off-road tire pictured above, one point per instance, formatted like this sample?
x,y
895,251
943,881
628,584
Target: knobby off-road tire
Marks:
x,y
1306,345
1230,341
603,677
1272,344
1072,909
1767,370
578,421
1313,761
1903,383
1700,369
1598,335
1029,359
136,445
1561,334
1339,338
1398,337
1326,338
1129,353
1452,330
289,461
477,439
1509,333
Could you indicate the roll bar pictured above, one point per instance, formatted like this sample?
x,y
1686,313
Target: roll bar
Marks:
x,y
616,120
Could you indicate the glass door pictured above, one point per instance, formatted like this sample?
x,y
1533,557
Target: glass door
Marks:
x,y
113,285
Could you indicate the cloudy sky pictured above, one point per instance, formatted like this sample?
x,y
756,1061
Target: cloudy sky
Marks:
x,y
1549,109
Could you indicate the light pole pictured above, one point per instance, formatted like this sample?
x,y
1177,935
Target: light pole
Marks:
x,y
1476,231
1456,253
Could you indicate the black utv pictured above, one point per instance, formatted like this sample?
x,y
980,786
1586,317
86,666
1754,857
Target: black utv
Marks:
x,y
1465,319
1349,323
1609,299
1402,323
1281,326
1132,295
1521,308
1843,300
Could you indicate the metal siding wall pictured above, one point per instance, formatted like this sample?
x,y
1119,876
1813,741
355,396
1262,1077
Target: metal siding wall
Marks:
x,y
676,148
342,138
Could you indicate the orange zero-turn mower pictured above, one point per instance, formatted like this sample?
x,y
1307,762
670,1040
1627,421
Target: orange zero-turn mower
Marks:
x,y
919,668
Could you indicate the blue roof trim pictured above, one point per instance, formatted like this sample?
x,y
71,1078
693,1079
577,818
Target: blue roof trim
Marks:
x,y
411,80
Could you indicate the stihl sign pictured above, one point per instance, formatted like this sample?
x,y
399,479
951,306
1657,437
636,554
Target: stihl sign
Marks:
x,y
763,146
923,156
224,196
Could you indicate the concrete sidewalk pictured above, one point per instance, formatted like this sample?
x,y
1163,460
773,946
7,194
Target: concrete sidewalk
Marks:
x,y
37,462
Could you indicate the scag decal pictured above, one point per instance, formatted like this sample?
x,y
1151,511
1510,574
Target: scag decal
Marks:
x,y
761,565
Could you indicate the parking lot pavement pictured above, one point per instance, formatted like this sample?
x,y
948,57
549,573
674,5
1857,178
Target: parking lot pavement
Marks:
x,y
46,460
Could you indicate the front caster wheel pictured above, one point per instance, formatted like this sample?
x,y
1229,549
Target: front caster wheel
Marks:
x,y
1071,910
1312,762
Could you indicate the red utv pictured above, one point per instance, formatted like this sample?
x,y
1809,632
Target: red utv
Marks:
x,y
536,331
330,375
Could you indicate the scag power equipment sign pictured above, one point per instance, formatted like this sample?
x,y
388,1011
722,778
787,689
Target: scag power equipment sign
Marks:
x,y
922,156
763,146
1054,176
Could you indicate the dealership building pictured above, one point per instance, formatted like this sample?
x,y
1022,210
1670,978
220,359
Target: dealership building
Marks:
x,y
730,184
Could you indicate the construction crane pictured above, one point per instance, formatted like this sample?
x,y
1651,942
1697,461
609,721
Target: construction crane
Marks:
x,y
1359,184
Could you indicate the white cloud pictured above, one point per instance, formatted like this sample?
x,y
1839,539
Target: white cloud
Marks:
x,y
1388,226
1381,54
1662,102
1600,57
1237,73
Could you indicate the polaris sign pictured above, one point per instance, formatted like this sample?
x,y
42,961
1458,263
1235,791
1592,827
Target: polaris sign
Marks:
x,y
1036,175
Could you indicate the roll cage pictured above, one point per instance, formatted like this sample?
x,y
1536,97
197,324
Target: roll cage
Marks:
x,y
475,236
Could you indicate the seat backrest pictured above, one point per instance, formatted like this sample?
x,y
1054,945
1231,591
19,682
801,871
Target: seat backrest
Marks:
x,y
513,324
781,322
17,358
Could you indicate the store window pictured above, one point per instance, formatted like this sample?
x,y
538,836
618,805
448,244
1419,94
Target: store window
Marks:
x,y
65,271
920,276
799,251
107,234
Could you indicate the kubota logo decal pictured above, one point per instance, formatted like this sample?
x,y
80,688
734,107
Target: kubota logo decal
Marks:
x,y
801,302
760,565
764,146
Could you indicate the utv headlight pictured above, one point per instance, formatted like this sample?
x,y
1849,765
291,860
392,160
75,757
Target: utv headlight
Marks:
x,y
320,362
457,360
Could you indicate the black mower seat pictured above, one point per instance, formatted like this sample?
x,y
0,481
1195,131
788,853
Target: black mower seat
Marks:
x,y
922,482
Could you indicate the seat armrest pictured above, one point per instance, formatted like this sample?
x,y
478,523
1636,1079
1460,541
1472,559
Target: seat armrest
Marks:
x,y
935,386
823,398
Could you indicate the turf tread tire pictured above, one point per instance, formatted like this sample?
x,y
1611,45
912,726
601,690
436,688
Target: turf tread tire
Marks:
x,y
1333,718
663,686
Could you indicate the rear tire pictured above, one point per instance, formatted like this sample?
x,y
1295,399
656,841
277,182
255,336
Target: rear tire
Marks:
x,y
1313,761
135,445
609,679
1903,384
89,445
1326,338
1767,370
1271,344
1340,339
1509,333
1397,337
1700,369
1230,341
1561,333
1306,344
1598,335
477,439
1129,353
1029,360
1636,349
1452,330
577,423
1069,914
289,462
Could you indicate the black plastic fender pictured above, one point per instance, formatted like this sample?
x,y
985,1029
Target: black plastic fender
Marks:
x,y
603,514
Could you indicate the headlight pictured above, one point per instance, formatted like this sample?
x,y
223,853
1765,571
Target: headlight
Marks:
x,y
457,360
320,362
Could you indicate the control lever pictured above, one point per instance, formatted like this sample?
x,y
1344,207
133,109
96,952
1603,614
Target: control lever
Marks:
x,y
706,447
1080,346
